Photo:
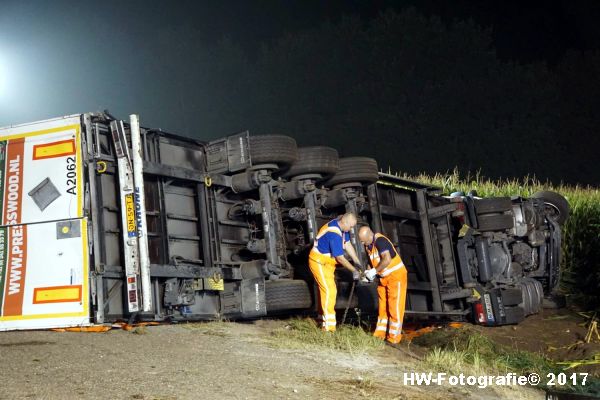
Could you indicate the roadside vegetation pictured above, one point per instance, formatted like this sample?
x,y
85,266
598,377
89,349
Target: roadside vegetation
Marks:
x,y
451,350
467,351
580,278
305,334
212,328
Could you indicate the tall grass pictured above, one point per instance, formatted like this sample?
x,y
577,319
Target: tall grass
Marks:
x,y
581,233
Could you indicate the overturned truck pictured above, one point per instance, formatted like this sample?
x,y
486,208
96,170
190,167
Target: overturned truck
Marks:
x,y
103,220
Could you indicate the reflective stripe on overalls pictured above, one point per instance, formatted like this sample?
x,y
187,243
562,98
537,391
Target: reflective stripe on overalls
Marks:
x,y
392,294
322,267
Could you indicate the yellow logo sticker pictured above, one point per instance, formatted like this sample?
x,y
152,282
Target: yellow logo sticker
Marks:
x,y
130,210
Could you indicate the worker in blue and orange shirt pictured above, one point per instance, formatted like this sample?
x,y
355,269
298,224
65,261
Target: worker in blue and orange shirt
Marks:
x,y
328,250
387,264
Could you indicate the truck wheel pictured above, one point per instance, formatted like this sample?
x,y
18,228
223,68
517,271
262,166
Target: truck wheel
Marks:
x,y
492,205
287,294
495,222
532,300
315,160
557,207
355,169
539,289
273,149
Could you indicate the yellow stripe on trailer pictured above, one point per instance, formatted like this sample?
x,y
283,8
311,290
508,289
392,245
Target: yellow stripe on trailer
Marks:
x,y
57,294
56,149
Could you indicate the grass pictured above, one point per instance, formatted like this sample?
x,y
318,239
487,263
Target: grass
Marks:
x,y
459,349
580,277
212,328
469,352
304,334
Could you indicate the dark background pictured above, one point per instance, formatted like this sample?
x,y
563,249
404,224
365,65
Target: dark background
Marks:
x,y
506,88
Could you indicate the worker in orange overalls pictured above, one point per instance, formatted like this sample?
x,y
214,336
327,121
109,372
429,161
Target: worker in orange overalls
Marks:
x,y
387,264
328,250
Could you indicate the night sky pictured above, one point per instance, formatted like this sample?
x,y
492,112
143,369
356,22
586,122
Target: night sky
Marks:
x,y
64,57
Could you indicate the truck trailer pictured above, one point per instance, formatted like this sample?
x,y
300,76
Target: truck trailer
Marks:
x,y
104,220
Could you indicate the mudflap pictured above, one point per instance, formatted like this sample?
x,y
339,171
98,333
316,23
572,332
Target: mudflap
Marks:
x,y
244,299
494,308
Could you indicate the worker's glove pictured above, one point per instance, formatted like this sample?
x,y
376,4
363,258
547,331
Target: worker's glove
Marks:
x,y
370,274
355,275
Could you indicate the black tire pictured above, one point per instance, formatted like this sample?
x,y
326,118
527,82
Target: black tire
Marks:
x,y
533,296
495,222
539,289
355,169
493,205
315,160
532,300
287,294
273,149
557,207
511,297
527,303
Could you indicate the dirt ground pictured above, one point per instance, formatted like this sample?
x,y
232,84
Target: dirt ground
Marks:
x,y
557,334
205,360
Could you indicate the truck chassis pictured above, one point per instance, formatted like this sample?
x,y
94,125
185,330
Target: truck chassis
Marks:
x,y
167,228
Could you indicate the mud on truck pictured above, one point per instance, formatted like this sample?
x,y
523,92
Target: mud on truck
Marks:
x,y
104,220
